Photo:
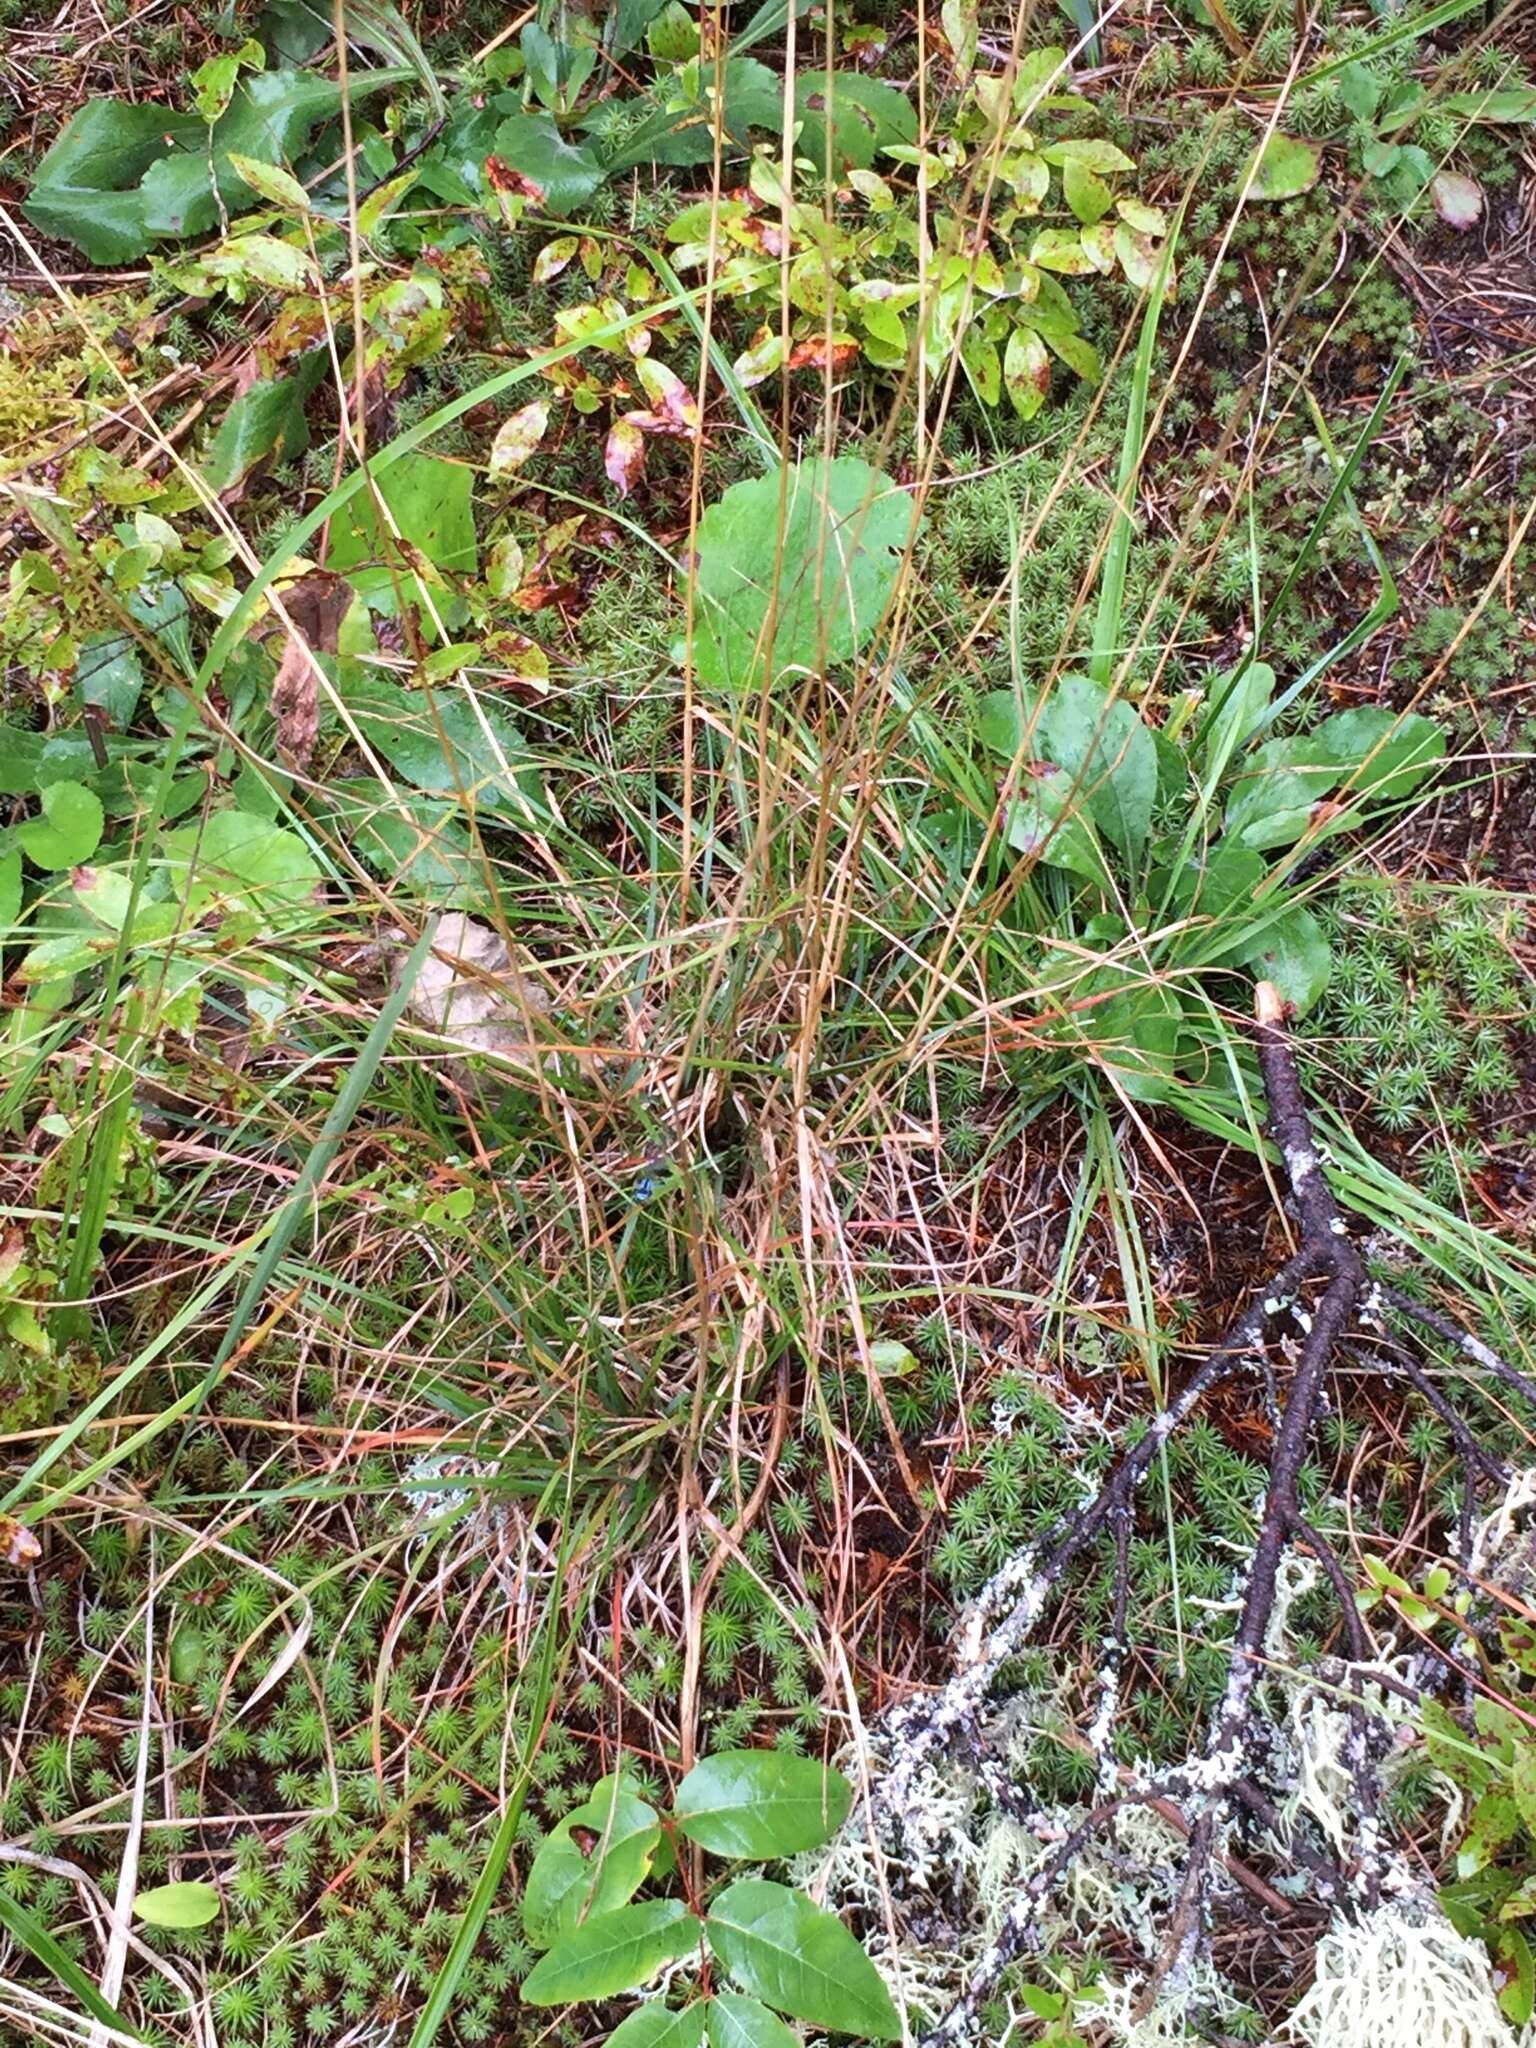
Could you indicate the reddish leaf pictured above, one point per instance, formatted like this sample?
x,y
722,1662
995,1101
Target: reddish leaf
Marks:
x,y
624,456
501,177
316,606
816,355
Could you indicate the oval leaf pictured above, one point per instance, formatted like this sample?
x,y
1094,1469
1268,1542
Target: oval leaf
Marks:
x,y
177,1905
1284,168
737,2022
788,1952
68,832
517,437
1458,199
653,2026
761,1802
613,1952
595,1860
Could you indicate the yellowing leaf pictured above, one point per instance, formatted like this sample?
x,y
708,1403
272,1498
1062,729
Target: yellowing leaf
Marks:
x,y
517,437
554,256
272,182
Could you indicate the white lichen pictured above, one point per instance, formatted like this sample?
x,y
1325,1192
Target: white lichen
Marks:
x,y
1400,1975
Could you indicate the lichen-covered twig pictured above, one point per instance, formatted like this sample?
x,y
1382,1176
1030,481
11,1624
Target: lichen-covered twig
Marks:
x,y
1322,1293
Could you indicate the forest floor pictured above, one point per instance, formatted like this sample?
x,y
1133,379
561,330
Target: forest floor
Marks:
x,y
668,675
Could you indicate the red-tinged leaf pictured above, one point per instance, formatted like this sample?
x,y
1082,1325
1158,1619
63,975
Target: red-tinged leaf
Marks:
x,y
817,355
624,456
670,397
516,663
1026,372
553,257
518,436
501,177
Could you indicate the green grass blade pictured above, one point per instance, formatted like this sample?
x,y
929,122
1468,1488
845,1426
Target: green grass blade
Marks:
x,y
38,1942
1107,644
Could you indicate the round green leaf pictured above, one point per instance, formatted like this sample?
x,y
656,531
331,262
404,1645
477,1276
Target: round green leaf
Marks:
x,y
612,1952
1283,168
1292,952
68,832
737,2022
655,2026
822,575
788,1952
761,1802
177,1905
597,1858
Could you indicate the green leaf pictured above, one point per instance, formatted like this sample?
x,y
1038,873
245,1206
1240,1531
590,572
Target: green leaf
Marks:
x,y
10,889
1517,1996
429,501
271,182
1026,372
267,420
682,131
269,120
447,743
614,1952
30,1934
1086,193
566,173
1361,88
1386,753
825,583
1495,1822
656,2026
761,1802
1240,701
177,1905
1110,755
69,830
85,190
1292,953
427,848
1522,1783
1283,168
595,1859
1280,783
244,862
794,1956
1508,104
957,18
122,176
737,2022
1044,823
109,676
850,118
